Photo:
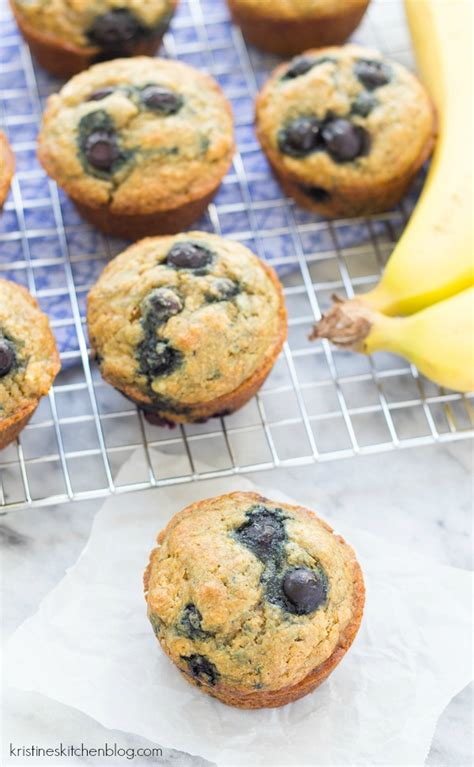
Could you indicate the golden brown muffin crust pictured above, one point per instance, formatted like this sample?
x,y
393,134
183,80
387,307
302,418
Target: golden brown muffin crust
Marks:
x,y
211,596
167,160
228,325
70,20
299,9
27,331
399,125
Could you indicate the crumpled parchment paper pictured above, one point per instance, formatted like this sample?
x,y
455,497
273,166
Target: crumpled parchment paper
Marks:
x,y
90,646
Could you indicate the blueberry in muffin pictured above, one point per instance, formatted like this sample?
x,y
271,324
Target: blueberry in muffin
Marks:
x,y
29,360
7,167
188,327
68,37
256,602
288,27
345,130
141,145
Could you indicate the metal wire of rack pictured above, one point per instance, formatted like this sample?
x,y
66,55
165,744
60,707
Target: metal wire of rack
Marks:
x,y
319,404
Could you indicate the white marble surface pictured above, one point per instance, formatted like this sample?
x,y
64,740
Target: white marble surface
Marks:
x,y
420,499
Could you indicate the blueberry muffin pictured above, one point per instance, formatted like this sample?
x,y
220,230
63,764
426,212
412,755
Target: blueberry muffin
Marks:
x,y
256,602
288,27
66,36
29,360
141,145
188,327
345,130
7,167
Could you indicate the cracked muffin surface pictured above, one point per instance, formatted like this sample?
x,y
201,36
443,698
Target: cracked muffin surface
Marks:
x,y
29,359
137,136
255,601
182,323
99,24
346,129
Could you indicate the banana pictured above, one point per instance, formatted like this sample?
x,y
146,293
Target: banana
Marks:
x,y
434,257
439,340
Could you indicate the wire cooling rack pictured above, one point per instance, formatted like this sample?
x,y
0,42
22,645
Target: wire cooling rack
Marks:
x,y
319,403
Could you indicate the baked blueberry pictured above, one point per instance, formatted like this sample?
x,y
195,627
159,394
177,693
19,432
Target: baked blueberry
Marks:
x,y
100,94
117,31
7,357
363,104
343,140
300,137
306,590
372,74
189,255
156,420
158,357
161,304
298,67
156,623
201,668
264,533
315,193
160,99
303,64
98,142
190,623
222,289
101,149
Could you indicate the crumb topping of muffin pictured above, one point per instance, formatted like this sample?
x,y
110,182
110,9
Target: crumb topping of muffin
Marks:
x,y
184,319
137,135
250,594
28,356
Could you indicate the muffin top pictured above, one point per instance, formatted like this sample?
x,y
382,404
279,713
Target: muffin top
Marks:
x,y
108,25
137,135
28,357
344,116
251,594
179,321
297,9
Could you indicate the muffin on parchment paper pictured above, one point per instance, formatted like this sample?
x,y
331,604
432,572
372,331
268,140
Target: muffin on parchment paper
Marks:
x,y
140,145
188,327
288,27
29,360
256,602
7,167
67,36
345,130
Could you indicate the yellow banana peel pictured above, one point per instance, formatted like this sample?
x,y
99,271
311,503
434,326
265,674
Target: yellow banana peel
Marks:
x,y
434,258
439,340
430,274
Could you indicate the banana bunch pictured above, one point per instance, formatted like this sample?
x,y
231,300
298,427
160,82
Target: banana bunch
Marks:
x,y
430,274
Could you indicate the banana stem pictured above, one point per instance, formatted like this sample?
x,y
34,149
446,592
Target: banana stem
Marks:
x,y
354,326
347,324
